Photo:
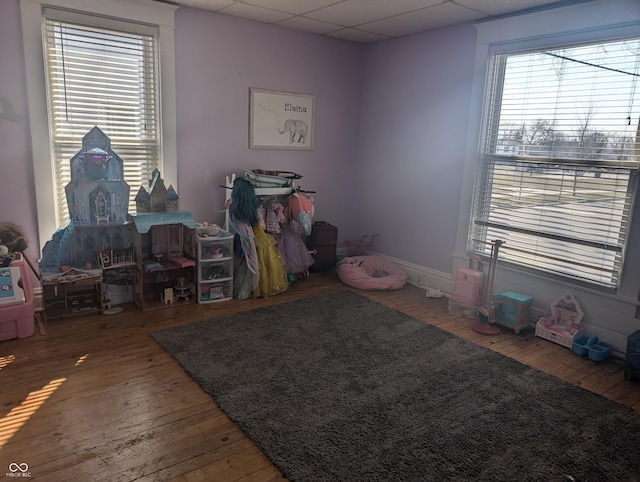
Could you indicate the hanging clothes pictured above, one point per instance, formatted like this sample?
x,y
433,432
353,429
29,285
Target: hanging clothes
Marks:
x,y
297,258
273,277
243,216
244,202
274,216
247,267
301,209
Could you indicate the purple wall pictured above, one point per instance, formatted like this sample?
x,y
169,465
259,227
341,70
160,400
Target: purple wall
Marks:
x,y
218,58
415,111
17,185
390,126
213,110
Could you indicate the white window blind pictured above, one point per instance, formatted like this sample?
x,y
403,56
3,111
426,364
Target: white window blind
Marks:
x,y
559,158
106,77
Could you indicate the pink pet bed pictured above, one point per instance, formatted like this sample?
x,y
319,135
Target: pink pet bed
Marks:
x,y
371,273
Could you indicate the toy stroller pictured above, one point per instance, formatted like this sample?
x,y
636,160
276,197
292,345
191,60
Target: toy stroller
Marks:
x,y
360,247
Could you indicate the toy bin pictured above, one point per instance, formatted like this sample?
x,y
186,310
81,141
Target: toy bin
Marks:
x,y
581,345
17,306
600,351
512,309
591,347
462,309
632,362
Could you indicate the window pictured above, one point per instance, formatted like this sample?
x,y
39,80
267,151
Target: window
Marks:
x,y
108,63
558,157
101,77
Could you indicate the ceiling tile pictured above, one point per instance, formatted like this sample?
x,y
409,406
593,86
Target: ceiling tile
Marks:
x,y
355,35
371,19
294,7
309,25
206,4
255,13
355,12
499,7
428,18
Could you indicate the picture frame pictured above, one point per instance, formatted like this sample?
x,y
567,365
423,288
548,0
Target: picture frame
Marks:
x,y
280,120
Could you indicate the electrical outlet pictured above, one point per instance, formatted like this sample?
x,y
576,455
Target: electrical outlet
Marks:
x,y
420,280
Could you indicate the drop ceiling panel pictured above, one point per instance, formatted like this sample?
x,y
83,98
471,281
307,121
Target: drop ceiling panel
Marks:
x,y
422,20
355,12
370,20
310,25
296,7
355,35
500,7
207,4
244,10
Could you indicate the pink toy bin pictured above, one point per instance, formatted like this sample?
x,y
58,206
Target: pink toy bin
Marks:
x,y
17,318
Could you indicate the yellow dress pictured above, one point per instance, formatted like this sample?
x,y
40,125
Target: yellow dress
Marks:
x,y
273,276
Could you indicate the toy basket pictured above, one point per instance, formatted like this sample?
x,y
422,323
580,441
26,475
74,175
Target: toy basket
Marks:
x,y
206,229
594,349
270,179
465,310
359,247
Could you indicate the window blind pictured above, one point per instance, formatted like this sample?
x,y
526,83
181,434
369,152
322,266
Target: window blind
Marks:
x,y
105,77
558,159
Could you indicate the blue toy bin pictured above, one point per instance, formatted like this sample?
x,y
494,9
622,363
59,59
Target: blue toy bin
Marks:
x,y
590,346
600,351
581,345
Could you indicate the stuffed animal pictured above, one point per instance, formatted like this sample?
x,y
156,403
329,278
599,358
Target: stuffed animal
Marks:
x,y
12,237
5,260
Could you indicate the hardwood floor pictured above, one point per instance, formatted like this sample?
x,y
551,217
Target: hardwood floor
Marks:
x,y
95,398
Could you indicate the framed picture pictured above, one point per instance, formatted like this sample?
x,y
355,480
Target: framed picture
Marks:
x,y
280,120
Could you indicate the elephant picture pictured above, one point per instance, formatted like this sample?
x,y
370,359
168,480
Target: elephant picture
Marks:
x,y
295,128
281,120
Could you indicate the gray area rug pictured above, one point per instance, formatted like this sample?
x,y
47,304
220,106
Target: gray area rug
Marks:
x,y
338,387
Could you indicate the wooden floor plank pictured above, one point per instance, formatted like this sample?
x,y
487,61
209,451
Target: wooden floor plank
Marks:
x,y
94,397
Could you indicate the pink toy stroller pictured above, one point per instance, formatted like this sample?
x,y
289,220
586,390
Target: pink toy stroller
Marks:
x,y
359,247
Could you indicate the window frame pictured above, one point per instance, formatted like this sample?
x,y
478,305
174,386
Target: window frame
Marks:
x,y
143,12
492,163
546,29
